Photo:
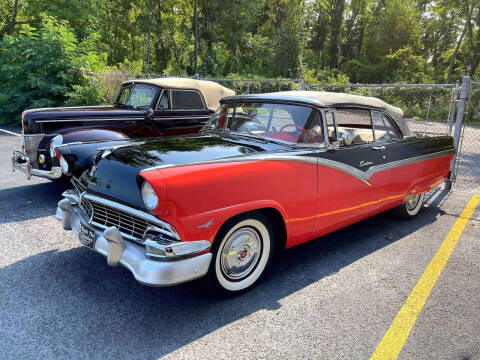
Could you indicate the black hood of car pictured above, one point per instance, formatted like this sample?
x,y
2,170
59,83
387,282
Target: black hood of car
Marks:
x,y
116,175
34,117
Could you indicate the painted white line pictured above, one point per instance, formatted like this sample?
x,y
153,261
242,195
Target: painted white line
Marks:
x,y
10,132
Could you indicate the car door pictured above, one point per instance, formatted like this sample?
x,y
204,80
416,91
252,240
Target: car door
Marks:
x,y
180,112
397,174
346,193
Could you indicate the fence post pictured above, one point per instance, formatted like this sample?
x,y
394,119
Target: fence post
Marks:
x,y
453,105
301,84
458,125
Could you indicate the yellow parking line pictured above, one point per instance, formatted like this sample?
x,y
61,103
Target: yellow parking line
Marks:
x,y
395,337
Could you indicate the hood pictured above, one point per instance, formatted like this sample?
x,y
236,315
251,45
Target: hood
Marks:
x,y
116,175
103,111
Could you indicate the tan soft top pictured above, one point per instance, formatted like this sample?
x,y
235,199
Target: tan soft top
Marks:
x,y
211,91
332,99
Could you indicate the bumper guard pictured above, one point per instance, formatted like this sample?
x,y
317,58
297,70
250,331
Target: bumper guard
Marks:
x,y
22,162
136,258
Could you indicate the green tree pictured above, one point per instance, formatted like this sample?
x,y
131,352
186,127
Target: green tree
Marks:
x,y
38,68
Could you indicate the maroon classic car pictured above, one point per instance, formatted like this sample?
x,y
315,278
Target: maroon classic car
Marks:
x,y
143,108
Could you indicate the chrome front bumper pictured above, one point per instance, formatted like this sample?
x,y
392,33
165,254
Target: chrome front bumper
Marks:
x,y
22,162
132,256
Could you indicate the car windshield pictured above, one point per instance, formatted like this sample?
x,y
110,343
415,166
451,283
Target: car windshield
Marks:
x,y
289,123
138,95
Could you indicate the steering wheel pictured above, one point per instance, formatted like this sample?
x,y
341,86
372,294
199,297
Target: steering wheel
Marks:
x,y
302,131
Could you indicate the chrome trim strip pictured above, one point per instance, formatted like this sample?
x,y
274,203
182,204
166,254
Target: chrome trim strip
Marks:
x,y
169,228
377,168
290,156
89,119
350,170
32,135
157,118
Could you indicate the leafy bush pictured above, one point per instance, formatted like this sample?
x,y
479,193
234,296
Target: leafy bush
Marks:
x,y
36,69
42,68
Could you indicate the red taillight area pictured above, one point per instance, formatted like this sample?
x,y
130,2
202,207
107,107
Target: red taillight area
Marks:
x,y
57,154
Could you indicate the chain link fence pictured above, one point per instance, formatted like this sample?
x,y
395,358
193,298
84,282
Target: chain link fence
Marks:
x,y
247,86
468,158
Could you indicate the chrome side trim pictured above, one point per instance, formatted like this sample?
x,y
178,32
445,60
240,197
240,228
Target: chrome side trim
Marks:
x,y
159,118
170,230
377,168
33,135
89,119
350,170
290,156
347,169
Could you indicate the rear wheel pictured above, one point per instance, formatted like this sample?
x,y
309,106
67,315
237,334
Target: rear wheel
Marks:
x,y
410,207
242,252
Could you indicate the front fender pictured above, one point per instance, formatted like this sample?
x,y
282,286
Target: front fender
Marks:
x,y
91,135
206,225
197,199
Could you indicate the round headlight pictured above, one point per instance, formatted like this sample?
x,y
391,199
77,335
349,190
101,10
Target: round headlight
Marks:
x,y
149,197
57,140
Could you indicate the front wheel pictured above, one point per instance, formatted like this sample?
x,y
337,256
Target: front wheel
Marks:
x,y
410,207
242,252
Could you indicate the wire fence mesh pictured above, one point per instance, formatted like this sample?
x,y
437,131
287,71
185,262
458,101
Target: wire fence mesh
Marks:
x,y
468,158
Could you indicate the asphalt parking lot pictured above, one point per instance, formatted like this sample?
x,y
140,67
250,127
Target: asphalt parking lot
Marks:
x,y
333,298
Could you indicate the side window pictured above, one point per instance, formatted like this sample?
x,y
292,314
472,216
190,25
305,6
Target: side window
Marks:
x,y
163,101
186,100
384,129
356,124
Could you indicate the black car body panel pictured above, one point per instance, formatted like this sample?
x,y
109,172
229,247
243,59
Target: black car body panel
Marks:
x,y
109,122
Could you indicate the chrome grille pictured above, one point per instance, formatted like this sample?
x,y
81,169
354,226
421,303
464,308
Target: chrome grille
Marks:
x,y
81,188
132,227
31,146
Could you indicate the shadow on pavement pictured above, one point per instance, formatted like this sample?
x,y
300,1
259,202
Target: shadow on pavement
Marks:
x,y
30,201
75,303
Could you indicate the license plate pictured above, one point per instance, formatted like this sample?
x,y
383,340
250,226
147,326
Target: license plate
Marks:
x,y
87,236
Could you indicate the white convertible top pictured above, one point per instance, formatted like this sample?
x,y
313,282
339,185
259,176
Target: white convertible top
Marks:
x,y
212,92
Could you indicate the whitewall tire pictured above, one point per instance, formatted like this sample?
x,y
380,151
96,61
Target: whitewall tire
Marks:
x,y
242,252
410,207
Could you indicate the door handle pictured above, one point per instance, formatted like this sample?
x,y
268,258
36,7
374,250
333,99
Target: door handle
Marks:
x,y
382,148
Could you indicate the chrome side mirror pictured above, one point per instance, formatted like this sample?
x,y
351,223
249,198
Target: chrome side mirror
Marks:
x,y
336,144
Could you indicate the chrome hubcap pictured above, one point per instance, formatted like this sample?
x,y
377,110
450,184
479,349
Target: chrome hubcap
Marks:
x,y
240,253
412,201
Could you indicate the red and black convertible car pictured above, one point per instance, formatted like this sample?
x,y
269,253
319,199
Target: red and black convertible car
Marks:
x,y
143,108
267,172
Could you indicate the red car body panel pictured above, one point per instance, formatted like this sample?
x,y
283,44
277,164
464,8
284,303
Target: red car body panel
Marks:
x,y
310,208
